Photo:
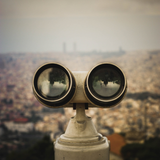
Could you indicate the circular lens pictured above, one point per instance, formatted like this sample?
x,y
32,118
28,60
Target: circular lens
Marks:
x,y
53,83
105,85
105,82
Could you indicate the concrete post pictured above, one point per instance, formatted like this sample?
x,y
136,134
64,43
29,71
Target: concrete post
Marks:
x,y
81,140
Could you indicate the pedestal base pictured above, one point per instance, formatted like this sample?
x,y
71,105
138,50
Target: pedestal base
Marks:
x,y
81,140
82,152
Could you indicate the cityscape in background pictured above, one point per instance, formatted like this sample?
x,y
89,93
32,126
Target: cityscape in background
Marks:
x,y
23,120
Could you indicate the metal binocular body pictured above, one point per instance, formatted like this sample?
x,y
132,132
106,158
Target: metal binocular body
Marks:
x,y
56,86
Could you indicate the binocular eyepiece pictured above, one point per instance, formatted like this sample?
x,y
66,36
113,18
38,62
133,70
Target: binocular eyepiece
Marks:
x,y
55,86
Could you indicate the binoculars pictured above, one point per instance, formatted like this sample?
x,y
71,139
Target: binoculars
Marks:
x,y
56,86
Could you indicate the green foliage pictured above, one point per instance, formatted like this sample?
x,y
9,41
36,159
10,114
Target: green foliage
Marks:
x,y
147,151
34,118
122,134
3,151
42,150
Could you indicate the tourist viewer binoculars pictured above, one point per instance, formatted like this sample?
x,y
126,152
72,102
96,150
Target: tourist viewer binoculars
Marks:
x,y
103,86
56,86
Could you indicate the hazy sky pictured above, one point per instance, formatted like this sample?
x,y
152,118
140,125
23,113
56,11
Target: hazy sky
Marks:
x,y
44,25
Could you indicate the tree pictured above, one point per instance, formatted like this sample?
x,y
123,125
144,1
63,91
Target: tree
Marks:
x,y
42,150
147,151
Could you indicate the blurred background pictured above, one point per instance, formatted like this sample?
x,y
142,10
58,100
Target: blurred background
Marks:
x,y
79,34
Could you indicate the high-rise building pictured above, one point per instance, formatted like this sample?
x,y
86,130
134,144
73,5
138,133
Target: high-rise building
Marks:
x,y
74,47
64,47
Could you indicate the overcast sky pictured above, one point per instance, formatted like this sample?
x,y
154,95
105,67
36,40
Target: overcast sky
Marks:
x,y
44,25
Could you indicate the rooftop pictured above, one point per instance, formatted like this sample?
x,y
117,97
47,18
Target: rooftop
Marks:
x,y
116,143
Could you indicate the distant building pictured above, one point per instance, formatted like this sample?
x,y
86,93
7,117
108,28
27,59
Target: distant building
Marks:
x,y
121,51
20,120
116,143
1,131
74,47
135,137
2,63
10,88
20,125
64,47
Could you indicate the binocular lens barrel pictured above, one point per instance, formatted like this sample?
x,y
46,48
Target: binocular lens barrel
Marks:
x,y
105,85
53,85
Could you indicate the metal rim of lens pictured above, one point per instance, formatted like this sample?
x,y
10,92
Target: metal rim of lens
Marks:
x,y
112,100
54,103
